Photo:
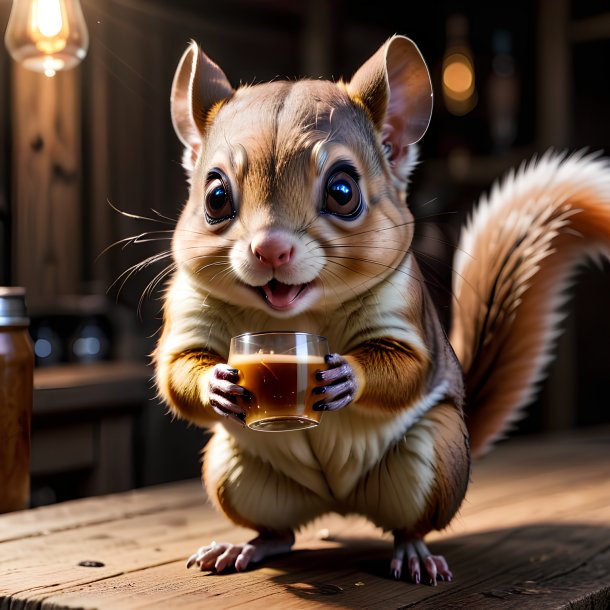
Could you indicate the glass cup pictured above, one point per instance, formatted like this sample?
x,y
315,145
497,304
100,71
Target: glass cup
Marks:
x,y
279,369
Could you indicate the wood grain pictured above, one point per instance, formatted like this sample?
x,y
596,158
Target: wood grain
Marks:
x,y
47,184
534,533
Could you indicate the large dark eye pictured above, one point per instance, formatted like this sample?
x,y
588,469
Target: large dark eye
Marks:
x,y
218,200
342,197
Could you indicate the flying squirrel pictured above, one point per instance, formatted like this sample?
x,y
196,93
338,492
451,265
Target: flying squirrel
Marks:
x,y
297,220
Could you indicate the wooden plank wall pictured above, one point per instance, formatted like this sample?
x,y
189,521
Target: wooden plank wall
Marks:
x,y
46,189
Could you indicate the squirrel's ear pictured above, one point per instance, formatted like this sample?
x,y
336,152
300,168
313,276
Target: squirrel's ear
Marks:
x,y
394,86
198,85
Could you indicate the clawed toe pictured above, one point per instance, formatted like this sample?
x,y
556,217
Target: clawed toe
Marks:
x,y
418,556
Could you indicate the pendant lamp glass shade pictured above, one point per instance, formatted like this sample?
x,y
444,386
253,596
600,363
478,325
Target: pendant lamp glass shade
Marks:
x,y
47,35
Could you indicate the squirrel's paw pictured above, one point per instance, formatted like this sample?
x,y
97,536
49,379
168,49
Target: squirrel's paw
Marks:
x,y
218,556
225,395
418,555
338,384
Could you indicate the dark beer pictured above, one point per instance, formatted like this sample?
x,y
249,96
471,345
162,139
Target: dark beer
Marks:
x,y
281,385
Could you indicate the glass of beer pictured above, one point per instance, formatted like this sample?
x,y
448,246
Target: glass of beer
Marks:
x,y
279,369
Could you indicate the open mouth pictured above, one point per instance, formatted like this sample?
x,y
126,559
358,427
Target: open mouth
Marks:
x,y
281,296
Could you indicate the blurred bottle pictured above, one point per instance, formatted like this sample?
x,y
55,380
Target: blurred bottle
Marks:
x,y
16,391
90,342
502,93
48,348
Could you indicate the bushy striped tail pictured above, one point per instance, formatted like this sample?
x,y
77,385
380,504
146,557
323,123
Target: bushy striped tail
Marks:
x,y
516,260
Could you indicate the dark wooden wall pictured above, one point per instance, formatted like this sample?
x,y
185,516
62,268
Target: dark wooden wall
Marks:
x,y
46,186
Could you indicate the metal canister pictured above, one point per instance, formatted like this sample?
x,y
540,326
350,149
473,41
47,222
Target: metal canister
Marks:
x,y
16,390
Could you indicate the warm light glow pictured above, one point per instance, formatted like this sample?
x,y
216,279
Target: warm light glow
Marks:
x,y
48,28
46,16
458,76
47,35
50,66
458,83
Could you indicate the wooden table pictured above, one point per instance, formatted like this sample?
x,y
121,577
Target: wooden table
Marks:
x,y
534,532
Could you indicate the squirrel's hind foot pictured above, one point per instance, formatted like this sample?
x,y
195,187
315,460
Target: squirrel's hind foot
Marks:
x,y
417,556
218,556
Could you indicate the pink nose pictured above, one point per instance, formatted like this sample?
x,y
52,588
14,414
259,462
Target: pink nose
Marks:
x,y
272,249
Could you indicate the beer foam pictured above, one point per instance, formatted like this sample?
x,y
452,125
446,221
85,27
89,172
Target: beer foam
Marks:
x,y
274,359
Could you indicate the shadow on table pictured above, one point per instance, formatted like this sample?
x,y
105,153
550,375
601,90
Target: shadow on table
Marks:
x,y
538,566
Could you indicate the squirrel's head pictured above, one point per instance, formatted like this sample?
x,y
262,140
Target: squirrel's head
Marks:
x,y
297,189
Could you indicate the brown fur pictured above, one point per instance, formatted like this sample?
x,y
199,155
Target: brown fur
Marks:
x,y
452,467
510,289
183,386
395,373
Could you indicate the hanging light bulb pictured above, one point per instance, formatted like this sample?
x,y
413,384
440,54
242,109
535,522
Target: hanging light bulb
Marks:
x,y
47,35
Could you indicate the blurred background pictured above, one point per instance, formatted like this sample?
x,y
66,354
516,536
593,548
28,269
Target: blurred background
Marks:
x,y
88,158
